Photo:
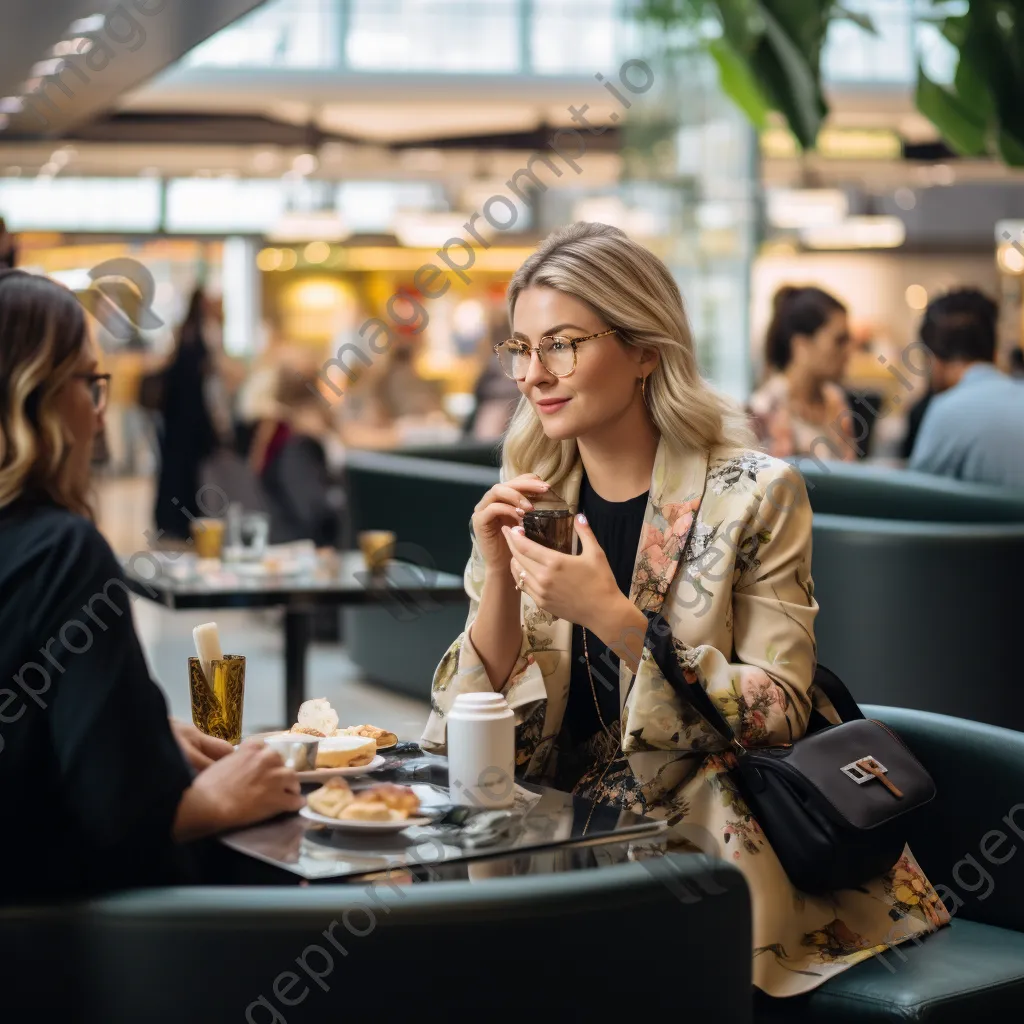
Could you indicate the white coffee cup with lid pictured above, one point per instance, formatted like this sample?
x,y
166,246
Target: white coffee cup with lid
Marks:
x,y
481,751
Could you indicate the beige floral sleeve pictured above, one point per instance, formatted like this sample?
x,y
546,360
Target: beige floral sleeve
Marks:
x,y
461,670
764,693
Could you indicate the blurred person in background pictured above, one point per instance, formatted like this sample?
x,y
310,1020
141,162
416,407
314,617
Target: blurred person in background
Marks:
x,y
187,430
131,787
973,428
802,407
495,395
8,248
389,402
306,501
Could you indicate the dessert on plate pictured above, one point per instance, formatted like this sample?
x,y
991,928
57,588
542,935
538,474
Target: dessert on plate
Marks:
x,y
345,752
383,802
381,737
317,718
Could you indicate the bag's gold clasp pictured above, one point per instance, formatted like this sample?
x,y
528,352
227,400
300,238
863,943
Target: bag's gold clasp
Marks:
x,y
867,768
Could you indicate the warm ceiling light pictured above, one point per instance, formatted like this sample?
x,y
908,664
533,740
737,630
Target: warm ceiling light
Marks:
x,y
905,198
305,163
916,296
265,161
856,233
806,208
46,68
87,26
1011,259
317,252
268,259
288,260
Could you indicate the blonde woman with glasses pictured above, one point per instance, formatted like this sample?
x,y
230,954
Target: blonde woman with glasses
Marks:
x,y
85,741
693,569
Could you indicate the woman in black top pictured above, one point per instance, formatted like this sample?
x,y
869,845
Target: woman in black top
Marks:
x,y
98,786
187,434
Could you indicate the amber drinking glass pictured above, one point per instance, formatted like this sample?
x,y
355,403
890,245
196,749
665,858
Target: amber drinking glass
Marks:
x,y
217,704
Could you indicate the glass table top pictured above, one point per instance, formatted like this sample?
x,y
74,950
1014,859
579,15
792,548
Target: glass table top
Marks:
x,y
179,580
541,819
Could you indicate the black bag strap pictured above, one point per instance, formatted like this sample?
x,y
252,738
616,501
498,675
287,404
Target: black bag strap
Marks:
x,y
831,685
839,696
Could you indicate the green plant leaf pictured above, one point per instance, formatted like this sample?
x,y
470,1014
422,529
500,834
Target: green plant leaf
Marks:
x,y
739,84
1011,148
857,17
961,126
791,78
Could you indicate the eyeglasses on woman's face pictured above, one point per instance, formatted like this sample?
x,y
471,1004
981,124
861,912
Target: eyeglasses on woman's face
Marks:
x,y
557,355
99,388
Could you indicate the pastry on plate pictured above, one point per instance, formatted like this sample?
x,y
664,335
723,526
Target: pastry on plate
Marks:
x,y
345,752
331,798
400,801
317,717
382,737
398,798
367,810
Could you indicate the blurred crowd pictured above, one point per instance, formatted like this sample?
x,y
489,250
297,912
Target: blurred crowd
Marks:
x,y
273,431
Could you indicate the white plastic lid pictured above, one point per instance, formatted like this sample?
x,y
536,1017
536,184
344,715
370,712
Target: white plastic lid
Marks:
x,y
480,700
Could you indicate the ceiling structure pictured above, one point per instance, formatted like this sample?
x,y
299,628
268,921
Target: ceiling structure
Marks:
x,y
65,62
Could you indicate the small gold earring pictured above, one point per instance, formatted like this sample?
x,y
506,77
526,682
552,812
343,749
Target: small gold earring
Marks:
x,y
643,389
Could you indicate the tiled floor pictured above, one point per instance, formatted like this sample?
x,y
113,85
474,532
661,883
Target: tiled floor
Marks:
x,y
123,514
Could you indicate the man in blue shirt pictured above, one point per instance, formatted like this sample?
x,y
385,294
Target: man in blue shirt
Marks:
x,y
973,429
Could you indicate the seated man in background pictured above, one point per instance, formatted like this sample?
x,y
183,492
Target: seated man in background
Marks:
x,y
973,428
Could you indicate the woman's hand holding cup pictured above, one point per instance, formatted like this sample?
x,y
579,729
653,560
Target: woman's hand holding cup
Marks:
x,y
504,504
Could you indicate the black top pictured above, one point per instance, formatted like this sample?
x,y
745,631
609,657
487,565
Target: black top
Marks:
x,y
90,772
617,526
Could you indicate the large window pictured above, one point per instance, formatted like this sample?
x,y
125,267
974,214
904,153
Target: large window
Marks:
x,y
281,34
433,35
904,36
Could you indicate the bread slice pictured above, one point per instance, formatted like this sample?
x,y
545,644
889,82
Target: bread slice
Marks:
x,y
331,798
345,751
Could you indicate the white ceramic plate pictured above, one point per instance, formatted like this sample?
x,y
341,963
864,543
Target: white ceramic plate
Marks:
x,y
362,826
320,774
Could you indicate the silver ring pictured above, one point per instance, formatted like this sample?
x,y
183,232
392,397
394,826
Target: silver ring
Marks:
x,y
521,585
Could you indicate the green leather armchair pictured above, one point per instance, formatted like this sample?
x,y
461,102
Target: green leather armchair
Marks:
x,y
428,503
556,947
967,842
853,489
922,614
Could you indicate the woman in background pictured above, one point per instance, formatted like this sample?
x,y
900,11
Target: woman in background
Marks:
x,y
187,434
802,407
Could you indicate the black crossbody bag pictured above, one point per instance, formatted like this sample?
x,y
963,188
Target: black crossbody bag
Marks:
x,y
837,805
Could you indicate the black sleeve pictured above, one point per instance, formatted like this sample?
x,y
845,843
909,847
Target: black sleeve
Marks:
x,y
121,771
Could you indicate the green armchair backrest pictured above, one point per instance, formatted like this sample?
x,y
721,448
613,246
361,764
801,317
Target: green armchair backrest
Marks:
x,y
853,489
923,615
466,950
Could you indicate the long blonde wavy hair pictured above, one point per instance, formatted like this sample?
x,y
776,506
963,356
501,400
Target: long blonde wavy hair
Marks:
x,y
630,289
42,332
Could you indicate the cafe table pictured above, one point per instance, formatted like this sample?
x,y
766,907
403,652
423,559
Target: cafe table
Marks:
x,y
180,582
545,830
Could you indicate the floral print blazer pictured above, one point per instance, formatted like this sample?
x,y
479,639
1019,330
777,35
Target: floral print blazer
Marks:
x,y
723,573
